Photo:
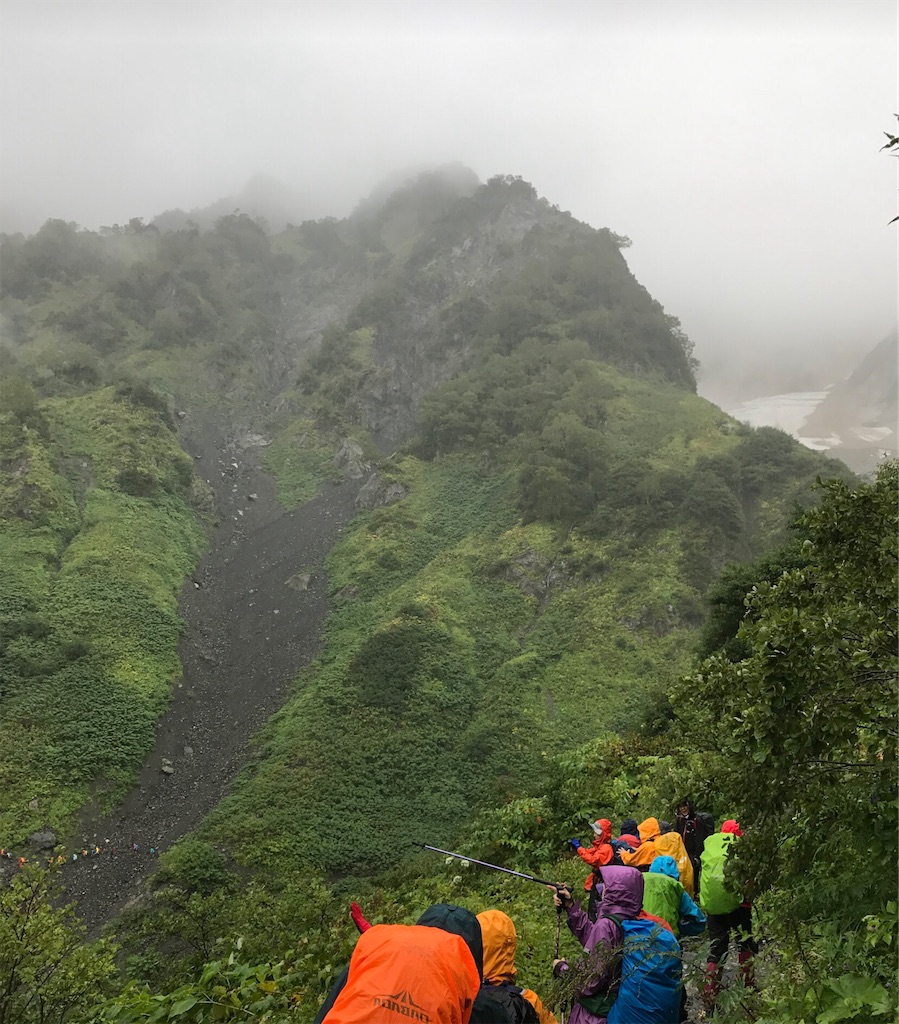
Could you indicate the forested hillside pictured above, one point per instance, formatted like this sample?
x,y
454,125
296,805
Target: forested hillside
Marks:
x,y
518,607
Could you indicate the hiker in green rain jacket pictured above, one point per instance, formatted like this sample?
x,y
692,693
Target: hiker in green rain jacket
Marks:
x,y
665,897
729,914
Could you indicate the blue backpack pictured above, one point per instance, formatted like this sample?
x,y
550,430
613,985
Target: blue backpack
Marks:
x,y
650,990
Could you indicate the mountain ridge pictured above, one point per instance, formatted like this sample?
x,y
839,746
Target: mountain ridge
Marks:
x,y
489,302
509,621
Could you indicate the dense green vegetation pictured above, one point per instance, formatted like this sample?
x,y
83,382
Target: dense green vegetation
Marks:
x,y
473,662
824,901
513,647
97,531
47,972
469,645
195,313
824,894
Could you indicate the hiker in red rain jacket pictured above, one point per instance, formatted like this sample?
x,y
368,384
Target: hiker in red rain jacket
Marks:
x,y
629,838
600,851
630,832
597,855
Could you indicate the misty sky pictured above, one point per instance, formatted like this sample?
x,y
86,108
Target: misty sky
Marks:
x,y
735,142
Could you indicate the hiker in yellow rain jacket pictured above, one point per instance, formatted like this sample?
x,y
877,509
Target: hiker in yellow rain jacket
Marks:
x,y
671,845
499,938
646,852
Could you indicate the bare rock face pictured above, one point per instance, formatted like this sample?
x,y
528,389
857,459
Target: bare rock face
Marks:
x,y
251,440
350,462
535,576
44,840
856,420
376,493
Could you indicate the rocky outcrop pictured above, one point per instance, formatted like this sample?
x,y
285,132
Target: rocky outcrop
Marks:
x,y
350,461
43,840
377,492
535,575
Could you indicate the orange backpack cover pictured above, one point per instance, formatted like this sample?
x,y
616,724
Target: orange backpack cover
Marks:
x,y
401,973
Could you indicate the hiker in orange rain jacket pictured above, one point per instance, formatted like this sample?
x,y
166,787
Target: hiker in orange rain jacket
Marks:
x,y
500,940
646,852
671,845
430,971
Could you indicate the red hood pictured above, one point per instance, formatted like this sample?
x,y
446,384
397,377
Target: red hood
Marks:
x,y
602,828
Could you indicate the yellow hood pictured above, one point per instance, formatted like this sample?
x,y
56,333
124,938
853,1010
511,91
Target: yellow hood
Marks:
x,y
649,829
499,938
672,845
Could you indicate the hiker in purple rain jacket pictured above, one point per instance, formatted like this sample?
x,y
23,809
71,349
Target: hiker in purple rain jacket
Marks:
x,y
622,896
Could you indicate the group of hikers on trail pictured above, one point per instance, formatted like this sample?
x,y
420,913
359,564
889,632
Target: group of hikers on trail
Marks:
x,y
642,896
92,850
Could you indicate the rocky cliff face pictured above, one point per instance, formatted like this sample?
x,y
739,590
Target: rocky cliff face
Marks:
x,y
444,270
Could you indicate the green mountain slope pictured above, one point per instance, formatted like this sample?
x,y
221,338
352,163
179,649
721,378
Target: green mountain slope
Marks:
x,y
570,497
98,532
551,502
469,645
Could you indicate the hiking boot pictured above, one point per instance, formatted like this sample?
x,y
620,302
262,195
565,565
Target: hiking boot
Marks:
x,y
712,985
746,970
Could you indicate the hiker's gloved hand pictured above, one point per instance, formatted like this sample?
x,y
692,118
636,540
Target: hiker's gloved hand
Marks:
x,y
559,968
576,843
562,897
358,917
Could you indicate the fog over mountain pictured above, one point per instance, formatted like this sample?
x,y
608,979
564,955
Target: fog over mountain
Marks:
x,y
736,145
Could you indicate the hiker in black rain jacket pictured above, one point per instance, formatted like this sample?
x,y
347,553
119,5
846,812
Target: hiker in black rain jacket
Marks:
x,y
694,829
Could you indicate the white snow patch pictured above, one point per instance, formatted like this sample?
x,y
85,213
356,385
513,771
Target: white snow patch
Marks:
x,y
786,412
820,444
872,434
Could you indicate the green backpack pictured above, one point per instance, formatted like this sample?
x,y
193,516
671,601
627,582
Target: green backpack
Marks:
x,y
661,898
714,897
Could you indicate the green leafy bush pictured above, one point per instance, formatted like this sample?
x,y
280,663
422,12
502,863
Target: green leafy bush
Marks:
x,y
47,971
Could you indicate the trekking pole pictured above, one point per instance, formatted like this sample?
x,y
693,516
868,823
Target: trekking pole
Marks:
x,y
518,874
493,867
562,1007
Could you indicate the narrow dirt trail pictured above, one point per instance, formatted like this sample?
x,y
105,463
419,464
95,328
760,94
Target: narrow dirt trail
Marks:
x,y
254,613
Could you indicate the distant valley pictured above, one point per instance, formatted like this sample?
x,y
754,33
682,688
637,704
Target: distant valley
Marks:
x,y
854,420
